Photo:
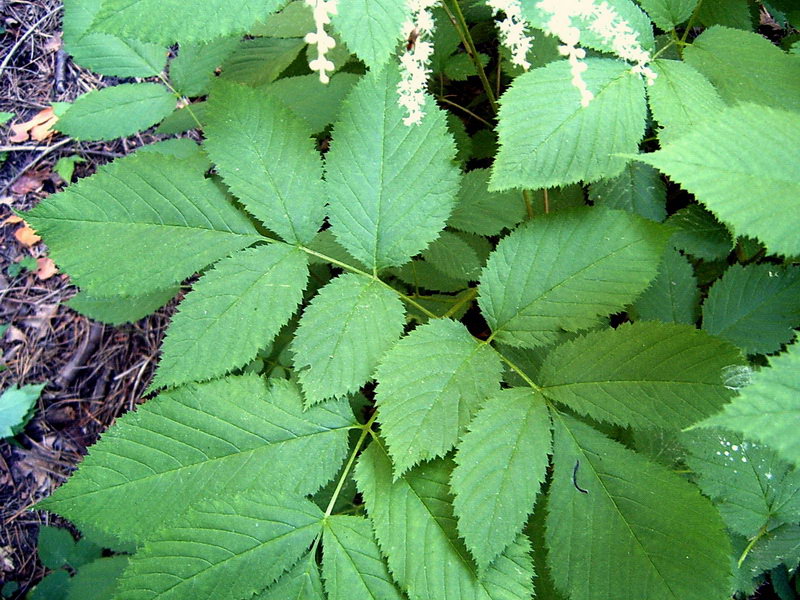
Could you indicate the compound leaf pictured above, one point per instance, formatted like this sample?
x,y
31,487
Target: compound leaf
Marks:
x,y
640,527
541,121
371,28
343,333
430,384
673,296
391,186
200,441
116,111
413,518
755,306
563,271
500,465
768,410
352,565
769,210
166,22
206,551
141,224
235,310
642,375
749,484
265,155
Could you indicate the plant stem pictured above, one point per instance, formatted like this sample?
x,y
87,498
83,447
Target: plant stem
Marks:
x,y
166,82
689,24
526,197
460,23
466,110
516,369
353,269
468,297
752,543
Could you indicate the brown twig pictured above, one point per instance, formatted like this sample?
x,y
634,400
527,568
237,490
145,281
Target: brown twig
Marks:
x,y
87,347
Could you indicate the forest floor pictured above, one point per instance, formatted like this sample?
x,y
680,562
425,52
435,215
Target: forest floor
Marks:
x,y
93,372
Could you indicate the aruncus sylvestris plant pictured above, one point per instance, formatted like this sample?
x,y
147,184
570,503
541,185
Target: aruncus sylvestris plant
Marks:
x,y
404,374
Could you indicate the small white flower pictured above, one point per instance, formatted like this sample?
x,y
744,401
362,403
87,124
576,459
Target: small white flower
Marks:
x,y
606,23
414,69
512,30
323,9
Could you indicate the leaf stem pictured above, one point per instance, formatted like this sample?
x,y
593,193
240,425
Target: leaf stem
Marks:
x,y
353,269
750,545
466,110
460,23
346,471
689,24
468,297
526,197
166,82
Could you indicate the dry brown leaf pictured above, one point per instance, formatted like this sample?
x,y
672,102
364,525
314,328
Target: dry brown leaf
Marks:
x,y
38,128
46,269
27,236
30,182
14,334
6,564
53,44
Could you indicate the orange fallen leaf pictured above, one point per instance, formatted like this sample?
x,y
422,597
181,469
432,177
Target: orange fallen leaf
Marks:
x,y
27,236
38,128
12,219
30,182
47,268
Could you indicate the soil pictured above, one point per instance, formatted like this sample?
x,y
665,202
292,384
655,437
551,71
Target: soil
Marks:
x,y
94,372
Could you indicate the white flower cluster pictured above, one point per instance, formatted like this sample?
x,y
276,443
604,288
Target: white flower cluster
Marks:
x,y
512,30
323,9
605,22
414,69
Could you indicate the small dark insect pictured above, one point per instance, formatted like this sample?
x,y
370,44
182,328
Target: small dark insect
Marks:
x,y
412,39
575,478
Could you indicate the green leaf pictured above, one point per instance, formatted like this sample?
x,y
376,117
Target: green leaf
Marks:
x,y
54,545
638,190
563,271
265,156
141,224
680,99
97,580
302,582
746,67
55,586
65,166
483,212
116,111
316,103
206,552
673,296
391,187
500,465
235,310
422,274
731,13
641,375
259,61
698,233
116,310
343,333
192,71
749,484
204,441
453,256
641,528
769,209
416,530
352,566
768,410
755,306
104,53
180,20
430,384
16,407
541,121
295,20
667,14
371,28
183,119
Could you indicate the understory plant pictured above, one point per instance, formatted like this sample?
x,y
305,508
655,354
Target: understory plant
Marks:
x,y
480,300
